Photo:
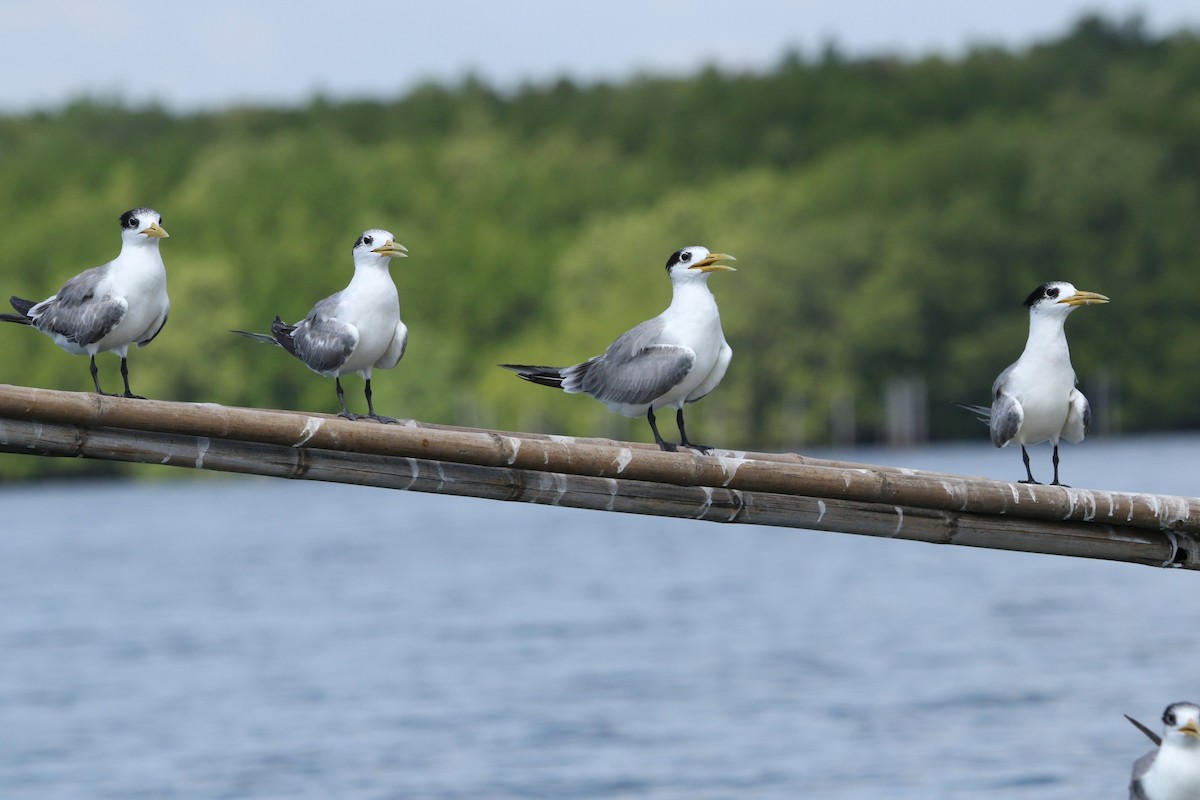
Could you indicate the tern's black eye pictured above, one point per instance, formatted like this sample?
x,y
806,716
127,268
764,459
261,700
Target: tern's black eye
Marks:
x,y
1041,293
133,223
1169,717
367,240
678,257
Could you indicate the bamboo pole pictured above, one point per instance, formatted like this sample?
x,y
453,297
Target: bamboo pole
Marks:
x,y
595,473
715,504
744,472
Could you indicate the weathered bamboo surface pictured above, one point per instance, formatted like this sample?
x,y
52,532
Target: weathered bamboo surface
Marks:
x,y
757,488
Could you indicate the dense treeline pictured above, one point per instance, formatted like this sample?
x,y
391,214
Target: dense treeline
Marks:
x,y
888,217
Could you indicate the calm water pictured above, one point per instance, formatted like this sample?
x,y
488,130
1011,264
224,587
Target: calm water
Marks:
x,y
248,638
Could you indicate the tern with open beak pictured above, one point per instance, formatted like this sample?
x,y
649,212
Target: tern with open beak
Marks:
x,y
675,358
1035,399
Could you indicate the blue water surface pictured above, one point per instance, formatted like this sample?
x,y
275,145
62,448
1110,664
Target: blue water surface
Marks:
x,y
255,638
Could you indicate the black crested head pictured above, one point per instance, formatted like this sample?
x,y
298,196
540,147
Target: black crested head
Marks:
x,y
679,257
138,218
1046,290
1171,715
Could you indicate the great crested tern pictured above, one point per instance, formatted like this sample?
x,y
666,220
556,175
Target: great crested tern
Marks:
x,y
355,330
675,358
1035,400
108,308
1172,772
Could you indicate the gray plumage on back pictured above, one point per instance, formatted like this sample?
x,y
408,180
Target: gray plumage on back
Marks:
x,y
1006,414
323,343
633,370
77,314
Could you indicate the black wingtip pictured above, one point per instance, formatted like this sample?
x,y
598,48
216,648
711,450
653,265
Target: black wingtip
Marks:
x,y
283,334
543,376
21,305
1154,737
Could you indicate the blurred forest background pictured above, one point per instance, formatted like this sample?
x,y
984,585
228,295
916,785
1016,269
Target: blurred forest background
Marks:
x,y
888,216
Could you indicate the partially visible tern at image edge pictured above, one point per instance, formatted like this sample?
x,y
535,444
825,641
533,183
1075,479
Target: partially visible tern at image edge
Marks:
x,y
676,358
108,308
1172,771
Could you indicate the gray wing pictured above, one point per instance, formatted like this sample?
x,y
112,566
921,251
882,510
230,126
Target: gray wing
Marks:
x,y
1006,414
77,313
396,349
322,342
157,331
1140,768
1001,381
634,370
1079,417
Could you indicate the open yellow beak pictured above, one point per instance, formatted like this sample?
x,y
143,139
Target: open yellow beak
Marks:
x,y
709,263
392,250
154,231
1190,729
1081,298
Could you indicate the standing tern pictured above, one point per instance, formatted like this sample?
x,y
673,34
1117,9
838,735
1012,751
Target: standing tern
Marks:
x,y
1172,772
108,308
675,358
355,330
1035,400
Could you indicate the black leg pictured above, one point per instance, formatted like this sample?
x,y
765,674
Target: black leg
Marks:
x,y
96,376
683,440
371,407
1055,459
1025,456
125,377
342,399
670,448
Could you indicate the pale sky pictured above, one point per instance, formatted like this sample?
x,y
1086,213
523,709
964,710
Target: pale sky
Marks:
x,y
215,53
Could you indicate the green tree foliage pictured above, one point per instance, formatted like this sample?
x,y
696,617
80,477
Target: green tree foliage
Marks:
x,y
888,217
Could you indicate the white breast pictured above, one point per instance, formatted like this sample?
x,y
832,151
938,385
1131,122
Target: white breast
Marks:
x,y
371,304
1175,774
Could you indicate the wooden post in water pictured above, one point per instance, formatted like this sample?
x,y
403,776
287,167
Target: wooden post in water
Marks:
x,y
757,488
